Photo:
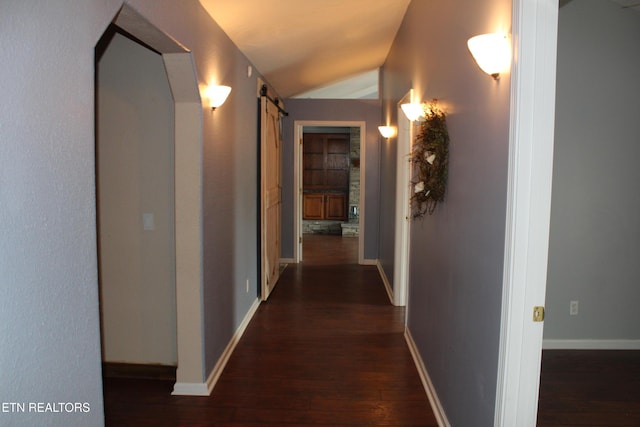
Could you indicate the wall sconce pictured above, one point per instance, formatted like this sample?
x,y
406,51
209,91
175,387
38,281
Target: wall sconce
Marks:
x,y
413,111
492,53
387,131
217,94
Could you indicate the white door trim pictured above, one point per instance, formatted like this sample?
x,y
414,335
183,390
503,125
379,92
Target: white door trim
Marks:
x,y
297,180
403,212
533,79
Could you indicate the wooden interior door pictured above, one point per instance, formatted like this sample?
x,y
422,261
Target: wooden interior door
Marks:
x,y
271,188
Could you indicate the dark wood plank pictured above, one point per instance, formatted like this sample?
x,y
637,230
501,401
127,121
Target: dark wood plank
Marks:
x,y
326,161
134,370
329,250
589,388
327,349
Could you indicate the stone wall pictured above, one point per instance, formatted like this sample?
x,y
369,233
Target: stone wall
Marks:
x,y
354,175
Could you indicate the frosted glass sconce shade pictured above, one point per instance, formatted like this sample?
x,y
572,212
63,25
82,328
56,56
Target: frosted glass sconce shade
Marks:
x,y
492,53
412,111
217,95
387,131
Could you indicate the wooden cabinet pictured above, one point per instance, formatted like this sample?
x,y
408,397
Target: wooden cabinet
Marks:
x,y
319,206
313,206
326,162
335,207
325,176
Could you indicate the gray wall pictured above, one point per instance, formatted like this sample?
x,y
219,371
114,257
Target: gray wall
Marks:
x,y
456,259
333,110
135,164
594,243
49,311
393,91
229,181
49,333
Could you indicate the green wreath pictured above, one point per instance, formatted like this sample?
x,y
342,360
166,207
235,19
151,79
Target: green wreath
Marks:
x,y
430,157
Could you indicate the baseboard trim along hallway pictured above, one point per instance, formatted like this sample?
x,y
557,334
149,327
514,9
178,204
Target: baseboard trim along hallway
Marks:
x,y
205,389
385,280
552,344
436,406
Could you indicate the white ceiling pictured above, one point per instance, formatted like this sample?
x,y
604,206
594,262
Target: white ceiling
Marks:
x,y
304,45
361,86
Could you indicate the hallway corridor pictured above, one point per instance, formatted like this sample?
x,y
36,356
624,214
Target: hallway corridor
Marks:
x,y
327,349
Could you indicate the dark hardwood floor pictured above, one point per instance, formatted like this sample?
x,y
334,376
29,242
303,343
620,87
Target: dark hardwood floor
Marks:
x,y
589,388
327,349
329,250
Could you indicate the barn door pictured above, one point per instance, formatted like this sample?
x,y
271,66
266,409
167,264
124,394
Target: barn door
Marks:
x,y
270,191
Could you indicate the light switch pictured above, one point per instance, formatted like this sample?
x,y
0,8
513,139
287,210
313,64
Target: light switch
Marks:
x,y
148,222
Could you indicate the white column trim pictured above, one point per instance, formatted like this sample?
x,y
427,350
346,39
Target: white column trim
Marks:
x,y
403,211
205,389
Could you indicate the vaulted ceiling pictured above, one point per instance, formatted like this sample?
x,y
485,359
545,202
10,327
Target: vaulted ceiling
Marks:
x,y
304,45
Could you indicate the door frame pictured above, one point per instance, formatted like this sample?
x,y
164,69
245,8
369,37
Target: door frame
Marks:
x,y
299,126
532,113
406,134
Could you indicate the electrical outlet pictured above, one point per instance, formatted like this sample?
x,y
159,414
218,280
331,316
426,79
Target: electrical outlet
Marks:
x,y
573,308
148,222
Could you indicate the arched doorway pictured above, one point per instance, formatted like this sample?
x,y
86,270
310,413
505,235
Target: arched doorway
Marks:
x,y
187,111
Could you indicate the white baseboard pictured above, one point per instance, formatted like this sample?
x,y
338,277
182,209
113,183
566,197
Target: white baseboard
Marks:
x,y
367,261
551,344
287,261
385,280
190,389
436,406
224,358
205,389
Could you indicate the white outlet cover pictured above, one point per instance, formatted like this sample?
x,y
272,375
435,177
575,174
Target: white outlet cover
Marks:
x,y
573,308
148,221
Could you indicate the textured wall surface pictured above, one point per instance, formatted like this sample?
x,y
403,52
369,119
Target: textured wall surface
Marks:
x,y
49,305
456,255
229,175
136,178
595,230
49,322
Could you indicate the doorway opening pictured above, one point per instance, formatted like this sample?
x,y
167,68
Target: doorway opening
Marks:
x,y
329,197
135,205
181,181
406,134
